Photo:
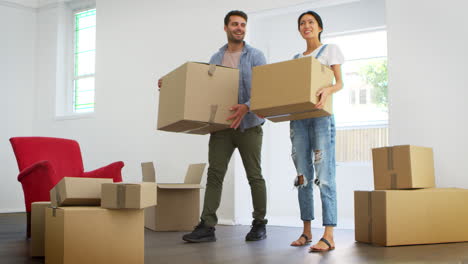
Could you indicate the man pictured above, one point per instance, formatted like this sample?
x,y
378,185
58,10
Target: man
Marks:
x,y
247,139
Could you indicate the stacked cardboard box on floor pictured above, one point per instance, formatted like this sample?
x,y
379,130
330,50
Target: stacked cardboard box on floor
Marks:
x,y
406,208
38,228
77,191
76,232
128,195
178,207
195,98
287,90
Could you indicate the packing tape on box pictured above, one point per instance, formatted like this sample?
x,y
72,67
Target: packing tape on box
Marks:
x,y
293,113
211,69
121,196
390,164
369,216
203,125
214,109
58,198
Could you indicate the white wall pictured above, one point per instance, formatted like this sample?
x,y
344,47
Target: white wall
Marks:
x,y
137,42
17,58
428,87
275,32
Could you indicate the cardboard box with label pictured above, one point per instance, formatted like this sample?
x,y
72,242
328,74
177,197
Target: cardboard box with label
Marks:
x,y
128,195
410,217
178,207
287,90
403,167
77,235
77,191
195,98
38,228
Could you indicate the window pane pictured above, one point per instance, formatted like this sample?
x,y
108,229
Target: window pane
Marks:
x,y
85,63
85,19
363,99
85,40
84,95
361,78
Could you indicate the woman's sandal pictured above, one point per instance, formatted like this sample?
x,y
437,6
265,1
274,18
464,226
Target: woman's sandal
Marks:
x,y
307,241
330,247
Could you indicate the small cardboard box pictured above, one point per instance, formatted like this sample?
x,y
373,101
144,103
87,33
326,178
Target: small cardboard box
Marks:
x,y
403,167
77,191
287,90
409,217
128,195
178,207
195,98
77,235
38,228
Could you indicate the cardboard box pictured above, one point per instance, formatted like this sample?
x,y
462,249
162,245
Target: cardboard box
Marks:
x,y
178,207
196,97
128,195
409,217
77,235
403,167
38,228
77,191
286,90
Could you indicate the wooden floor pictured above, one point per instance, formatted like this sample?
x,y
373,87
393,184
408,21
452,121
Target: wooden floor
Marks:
x,y
167,247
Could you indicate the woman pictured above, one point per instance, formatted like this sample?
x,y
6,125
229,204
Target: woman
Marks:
x,y
313,141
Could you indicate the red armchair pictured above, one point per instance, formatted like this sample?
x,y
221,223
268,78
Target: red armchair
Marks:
x,y
44,161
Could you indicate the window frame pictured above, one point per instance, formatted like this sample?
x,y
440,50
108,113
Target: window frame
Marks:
x,y
64,109
74,78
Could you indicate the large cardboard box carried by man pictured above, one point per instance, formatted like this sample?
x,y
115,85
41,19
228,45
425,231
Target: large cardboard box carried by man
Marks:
x,y
195,98
178,207
409,217
287,90
77,235
403,167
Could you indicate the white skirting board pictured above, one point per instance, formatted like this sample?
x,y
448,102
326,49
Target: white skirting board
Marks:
x,y
12,210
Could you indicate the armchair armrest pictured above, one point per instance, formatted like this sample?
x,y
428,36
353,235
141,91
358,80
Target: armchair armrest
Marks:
x,y
43,164
112,171
37,180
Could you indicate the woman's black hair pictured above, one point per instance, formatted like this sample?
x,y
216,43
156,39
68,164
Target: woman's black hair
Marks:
x,y
315,15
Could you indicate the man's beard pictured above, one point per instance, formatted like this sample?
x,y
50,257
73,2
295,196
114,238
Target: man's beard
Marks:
x,y
232,39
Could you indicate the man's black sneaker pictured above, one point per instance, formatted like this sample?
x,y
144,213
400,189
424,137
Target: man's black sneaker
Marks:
x,y
258,231
201,233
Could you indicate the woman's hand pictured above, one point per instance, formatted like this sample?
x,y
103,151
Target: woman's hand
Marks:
x,y
159,84
323,95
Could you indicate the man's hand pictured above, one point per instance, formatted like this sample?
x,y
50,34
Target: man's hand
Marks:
x,y
240,111
323,94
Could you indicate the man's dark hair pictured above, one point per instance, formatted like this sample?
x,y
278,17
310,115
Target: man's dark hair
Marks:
x,y
234,13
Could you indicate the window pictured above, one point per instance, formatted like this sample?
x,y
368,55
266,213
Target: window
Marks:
x,y
84,61
361,108
363,100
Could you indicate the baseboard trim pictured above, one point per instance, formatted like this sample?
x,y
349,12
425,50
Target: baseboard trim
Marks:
x,y
226,222
11,210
